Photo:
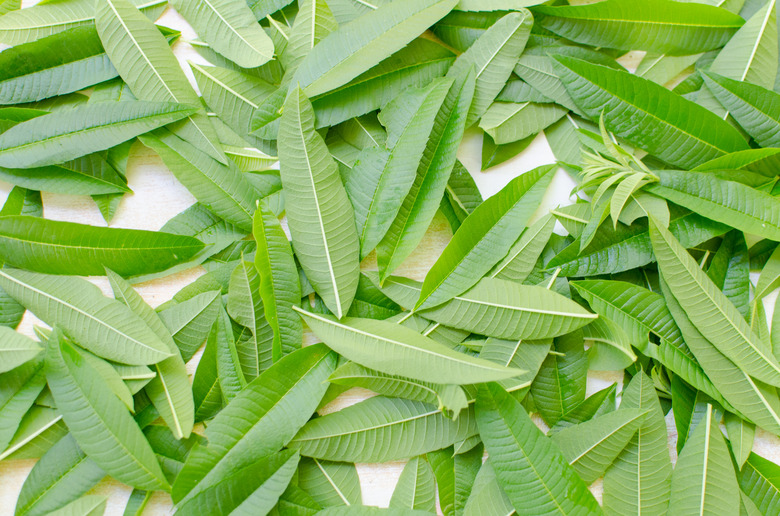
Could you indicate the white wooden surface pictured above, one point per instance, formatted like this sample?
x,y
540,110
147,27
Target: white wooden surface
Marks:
x,y
158,196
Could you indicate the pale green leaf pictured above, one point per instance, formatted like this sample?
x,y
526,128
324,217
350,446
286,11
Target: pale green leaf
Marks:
x,y
16,349
741,437
190,321
487,497
20,388
523,255
90,505
330,483
508,122
415,489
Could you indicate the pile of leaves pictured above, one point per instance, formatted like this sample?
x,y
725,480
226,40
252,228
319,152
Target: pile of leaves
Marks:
x,y
364,104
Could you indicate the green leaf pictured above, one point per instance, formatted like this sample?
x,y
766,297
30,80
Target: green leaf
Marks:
x,y
360,44
559,386
245,306
487,498
756,109
98,421
91,505
319,213
509,122
523,255
229,28
41,20
380,429
371,303
381,178
486,235
703,481
68,248
206,391
330,483
591,447
259,421
729,202
647,115
422,202
252,489
455,476
730,270
710,311
741,437
416,488
190,321
66,135
367,510
493,57
169,390
223,189
498,308
232,379
396,349
102,325
529,355
657,25
759,479
39,429
21,387
639,481
597,404
16,349
313,22
145,62
494,5
62,475
530,468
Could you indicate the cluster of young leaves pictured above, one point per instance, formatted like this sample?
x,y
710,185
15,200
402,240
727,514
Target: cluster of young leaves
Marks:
x,y
364,106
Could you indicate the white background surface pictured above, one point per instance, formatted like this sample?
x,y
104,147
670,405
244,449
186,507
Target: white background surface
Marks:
x,y
158,196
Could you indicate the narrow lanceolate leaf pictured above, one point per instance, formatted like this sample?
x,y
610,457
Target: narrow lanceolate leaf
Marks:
x,y
382,178
508,122
759,479
319,213
280,286
666,125
590,447
362,43
58,247
230,28
16,349
729,202
756,109
416,487
703,481
330,483
487,498
190,321
313,22
534,474
98,421
102,325
485,236
145,62
90,505
259,421
396,349
659,26
223,189
710,311
232,379
380,429
638,482
522,256
741,437
21,387
420,205
68,134
455,476
493,57
169,390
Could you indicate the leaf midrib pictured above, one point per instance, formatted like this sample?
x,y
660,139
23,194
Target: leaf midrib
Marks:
x,y
369,428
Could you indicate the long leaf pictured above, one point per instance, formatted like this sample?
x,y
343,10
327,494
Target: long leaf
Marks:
x,y
66,135
381,429
98,421
330,483
455,476
259,421
656,25
648,115
558,389
189,322
396,349
487,234
58,247
533,472
21,387
102,325
759,479
319,213
703,481
508,122
145,62
710,311
415,489
230,28
355,47
16,349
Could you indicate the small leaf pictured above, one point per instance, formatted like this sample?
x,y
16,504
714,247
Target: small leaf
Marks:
x,y
741,437
759,479
330,483
415,489
16,349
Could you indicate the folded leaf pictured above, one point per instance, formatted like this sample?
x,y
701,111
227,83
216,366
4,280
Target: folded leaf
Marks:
x,y
703,481
259,421
87,175
455,476
416,487
533,472
509,122
380,429
21,387
145,62
65,135
102,325
709,310
330,483
759,479
319,213
648,115
16,349
396,349
559,387
230,28
98,421
190,321
657,25
487,234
